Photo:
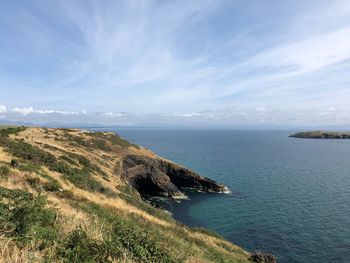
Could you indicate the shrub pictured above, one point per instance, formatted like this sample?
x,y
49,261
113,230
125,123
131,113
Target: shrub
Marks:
x,y
80,177
27,151
66,194
68,159
86,163
114,139
52,186
4,171
8,131
79,247
143,241
34,182
26,219
29,167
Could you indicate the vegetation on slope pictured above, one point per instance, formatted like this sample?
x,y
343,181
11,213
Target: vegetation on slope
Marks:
x,y
63,203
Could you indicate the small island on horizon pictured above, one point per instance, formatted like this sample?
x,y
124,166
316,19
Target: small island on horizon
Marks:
x,y
321,135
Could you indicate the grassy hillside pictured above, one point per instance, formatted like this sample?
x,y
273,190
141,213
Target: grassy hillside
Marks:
x,y
63,200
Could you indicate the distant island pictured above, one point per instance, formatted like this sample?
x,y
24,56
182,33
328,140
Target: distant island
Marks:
x,y
321,135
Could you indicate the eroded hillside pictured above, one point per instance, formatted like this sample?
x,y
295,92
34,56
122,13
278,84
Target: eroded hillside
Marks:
x,y
70,195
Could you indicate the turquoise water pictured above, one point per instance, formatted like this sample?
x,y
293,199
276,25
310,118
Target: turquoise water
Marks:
x,y
290,197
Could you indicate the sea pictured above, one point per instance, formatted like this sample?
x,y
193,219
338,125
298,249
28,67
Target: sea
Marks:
x,y
289,197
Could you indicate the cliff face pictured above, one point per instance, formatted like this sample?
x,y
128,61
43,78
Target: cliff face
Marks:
x,y
159,177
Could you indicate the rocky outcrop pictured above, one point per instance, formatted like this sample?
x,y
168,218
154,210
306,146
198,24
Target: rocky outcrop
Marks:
x,y
260,257
321,135
159,177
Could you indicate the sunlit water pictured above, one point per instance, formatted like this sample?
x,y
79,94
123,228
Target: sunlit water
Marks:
x,y
290,197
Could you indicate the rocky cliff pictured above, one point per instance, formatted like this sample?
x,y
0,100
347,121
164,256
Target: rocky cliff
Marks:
x,y
159,177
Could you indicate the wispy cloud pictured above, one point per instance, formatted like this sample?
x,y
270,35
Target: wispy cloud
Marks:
x,y
228,116
31,110
185,59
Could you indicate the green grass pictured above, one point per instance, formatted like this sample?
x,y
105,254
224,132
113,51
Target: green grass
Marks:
x,y
25,218
77,141
26,151
4,171
114,139
83,161
79,247
145,242
81,178
206,232
52,186
68,160
131,196
99,140
28,221
5,131
28,167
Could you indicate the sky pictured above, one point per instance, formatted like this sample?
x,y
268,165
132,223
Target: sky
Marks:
x,y
183,62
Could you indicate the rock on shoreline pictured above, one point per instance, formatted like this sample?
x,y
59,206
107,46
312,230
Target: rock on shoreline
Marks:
x,y
160,177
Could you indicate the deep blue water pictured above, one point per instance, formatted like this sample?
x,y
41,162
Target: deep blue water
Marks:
x,y
290,197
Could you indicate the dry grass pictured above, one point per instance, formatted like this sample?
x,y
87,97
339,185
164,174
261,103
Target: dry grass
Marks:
x,y
4,156
215,242
10,253
69,217
113,203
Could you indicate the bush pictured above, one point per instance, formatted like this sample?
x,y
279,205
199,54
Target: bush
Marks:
x,y
29,167
34,182
66,194
4,171
85,163
80,178
114,139
26,219
142,243
68,159
52,186
27,151
141,240
79,247
8,131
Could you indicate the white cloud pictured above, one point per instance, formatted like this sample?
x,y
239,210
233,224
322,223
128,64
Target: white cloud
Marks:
x,y
305,56
31,110
198,115
112,114
3,109
23,111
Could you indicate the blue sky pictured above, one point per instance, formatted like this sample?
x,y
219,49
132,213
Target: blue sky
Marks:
x,y
201,62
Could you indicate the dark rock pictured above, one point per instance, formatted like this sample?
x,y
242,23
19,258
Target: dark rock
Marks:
x,y
158,177
260,257
14,163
